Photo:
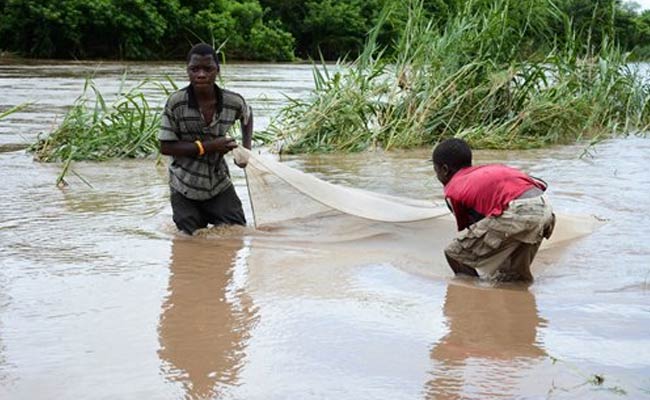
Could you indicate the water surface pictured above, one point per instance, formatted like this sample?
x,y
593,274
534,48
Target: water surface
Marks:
x,y
101,298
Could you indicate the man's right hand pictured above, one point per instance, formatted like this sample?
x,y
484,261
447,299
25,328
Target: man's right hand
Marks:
x,y
548,229
222,145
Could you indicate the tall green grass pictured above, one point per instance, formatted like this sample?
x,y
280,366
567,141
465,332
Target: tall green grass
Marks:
x,y
478,77
96,130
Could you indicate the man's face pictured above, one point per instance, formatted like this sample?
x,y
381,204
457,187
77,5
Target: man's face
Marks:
x,y
442,173
202,70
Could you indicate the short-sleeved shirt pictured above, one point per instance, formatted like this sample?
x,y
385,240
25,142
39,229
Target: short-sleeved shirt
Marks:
x,y
486,190
200,177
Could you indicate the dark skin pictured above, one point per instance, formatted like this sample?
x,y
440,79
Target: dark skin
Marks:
x,y
202,71
444,173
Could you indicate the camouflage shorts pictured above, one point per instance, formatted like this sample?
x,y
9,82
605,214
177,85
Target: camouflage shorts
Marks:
x,y
503,247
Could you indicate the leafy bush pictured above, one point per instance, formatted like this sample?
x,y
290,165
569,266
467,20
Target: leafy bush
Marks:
x,y
271,43
244,34
78,28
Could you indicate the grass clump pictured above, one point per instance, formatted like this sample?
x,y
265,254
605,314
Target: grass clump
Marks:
x,y
477,77
95,130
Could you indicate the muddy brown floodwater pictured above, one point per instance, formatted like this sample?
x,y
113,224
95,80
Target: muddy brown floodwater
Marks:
x,y
101,298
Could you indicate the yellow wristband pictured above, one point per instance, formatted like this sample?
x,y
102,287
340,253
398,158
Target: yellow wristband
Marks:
x,y
200,146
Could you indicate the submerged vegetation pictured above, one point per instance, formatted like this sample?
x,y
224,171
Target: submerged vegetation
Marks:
x,y
478,77
14,109
95,130
595,381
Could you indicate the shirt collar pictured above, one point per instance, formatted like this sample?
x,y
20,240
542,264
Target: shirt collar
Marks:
x,y
193,103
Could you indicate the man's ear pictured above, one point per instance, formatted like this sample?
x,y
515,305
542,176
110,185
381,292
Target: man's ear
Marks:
x,y
445,170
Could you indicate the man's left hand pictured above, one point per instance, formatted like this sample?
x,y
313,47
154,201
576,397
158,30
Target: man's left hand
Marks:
x,y
240,157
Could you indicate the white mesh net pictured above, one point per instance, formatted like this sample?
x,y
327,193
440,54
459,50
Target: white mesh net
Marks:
x,y
280,193
282,197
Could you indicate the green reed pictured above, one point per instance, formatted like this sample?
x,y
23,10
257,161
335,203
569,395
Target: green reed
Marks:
x,y
14,109
477,78
96,130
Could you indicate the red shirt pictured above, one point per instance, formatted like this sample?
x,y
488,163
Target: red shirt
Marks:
x,y
485,189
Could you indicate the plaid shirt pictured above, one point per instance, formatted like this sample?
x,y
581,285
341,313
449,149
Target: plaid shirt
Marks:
x,y
200,178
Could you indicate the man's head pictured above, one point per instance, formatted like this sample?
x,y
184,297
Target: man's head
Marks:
x,y
449,156
202,65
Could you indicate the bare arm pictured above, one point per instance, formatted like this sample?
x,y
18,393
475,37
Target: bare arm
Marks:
x,y
247,131
247,137
221,145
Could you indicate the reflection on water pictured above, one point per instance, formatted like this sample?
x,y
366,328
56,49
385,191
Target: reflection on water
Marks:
x,y
206,317
487,327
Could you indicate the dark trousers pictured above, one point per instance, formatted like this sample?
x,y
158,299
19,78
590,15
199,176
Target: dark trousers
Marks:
x,y
224,208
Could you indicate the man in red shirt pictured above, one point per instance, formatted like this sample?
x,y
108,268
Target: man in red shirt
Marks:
x,y
502,215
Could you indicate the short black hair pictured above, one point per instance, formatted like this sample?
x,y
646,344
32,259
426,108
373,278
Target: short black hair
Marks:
x,y
454,152
203,49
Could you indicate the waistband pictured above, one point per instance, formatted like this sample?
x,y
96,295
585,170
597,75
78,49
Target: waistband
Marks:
x,y
542,199
531,192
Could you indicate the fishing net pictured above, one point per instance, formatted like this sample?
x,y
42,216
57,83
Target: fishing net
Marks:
x,y
282,196
280,193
